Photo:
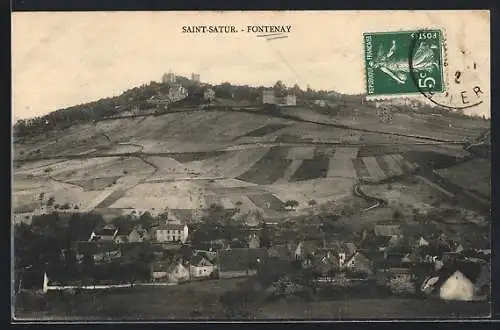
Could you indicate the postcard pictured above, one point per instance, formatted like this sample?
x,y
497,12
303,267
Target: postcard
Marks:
x,y
261,165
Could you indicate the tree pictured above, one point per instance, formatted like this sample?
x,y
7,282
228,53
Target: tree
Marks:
x,y
146,220
291,204
51,201
265,238
312,202
279,89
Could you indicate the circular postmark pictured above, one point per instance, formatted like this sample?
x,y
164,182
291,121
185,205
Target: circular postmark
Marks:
x,y
464,95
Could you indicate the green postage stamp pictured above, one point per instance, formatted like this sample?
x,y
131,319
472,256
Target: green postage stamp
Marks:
x,y
403,63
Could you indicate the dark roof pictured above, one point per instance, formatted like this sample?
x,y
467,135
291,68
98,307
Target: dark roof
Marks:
x,y
105,232
161,266
376,241
240,258
125,231
196,259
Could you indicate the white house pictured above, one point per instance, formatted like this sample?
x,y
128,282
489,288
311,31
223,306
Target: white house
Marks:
x,y
200,267
209,94
290,99
268,97
171,233
457,287
177,92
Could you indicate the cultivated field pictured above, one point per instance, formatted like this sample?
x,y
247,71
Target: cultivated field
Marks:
x,y
237,159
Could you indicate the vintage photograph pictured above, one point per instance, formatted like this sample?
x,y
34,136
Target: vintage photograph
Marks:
x,y
240,166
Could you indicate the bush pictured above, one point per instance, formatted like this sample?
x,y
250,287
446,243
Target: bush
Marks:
x,y
65,206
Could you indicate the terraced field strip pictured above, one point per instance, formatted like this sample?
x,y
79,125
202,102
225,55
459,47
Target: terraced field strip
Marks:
x,y
264,130
112,198
393,166
266,201
186,157
361,170
374,168
100,199
298,153
403,163
340,163
290,171
314,168
241,161
269,168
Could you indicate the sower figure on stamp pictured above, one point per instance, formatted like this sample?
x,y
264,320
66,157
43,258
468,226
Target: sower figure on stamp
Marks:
x,y
423,60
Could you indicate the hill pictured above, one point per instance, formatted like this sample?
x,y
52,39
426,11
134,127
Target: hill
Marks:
x,y
246,158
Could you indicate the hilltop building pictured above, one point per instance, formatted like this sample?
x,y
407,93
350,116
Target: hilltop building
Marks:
x,y
195,77
268,97
177,92
290,99
168,77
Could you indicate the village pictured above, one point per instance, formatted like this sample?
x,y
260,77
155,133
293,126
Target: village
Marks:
x,y
171,252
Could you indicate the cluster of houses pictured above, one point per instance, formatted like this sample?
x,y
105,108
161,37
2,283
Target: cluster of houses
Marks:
x,y
403,263
423,264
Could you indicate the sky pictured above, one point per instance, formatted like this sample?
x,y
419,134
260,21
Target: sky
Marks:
x,y
60,59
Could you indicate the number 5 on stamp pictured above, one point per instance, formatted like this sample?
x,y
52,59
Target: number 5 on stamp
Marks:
x,y
403,62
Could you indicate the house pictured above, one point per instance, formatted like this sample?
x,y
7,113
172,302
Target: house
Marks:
x,y
174,271
131,235
209,95
422,242
289,99
321,103
240,262
209,255
358,263
107,233
177,92
171,233
281,251
398,280
325,263
304,249
268,97
200,267
464,281
254,241
398,253
99,252
387,230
